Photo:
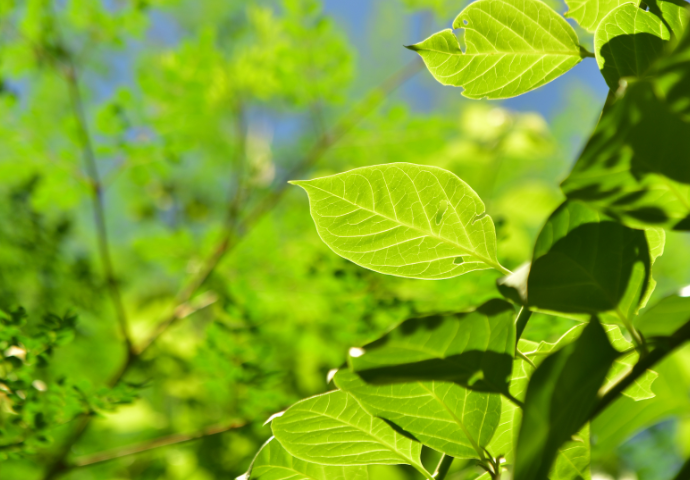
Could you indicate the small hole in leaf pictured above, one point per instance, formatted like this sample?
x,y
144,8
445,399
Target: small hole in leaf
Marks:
x,y
465,22
458,261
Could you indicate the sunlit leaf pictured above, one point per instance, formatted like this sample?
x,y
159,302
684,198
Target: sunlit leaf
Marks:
x,y
405,220
513,46
474,350
442,415
588,13
628,40
274,463
560,396
333,429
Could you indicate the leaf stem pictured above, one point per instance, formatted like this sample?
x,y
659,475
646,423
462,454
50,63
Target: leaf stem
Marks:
x,y
151,445
634,333
521,322
584,53
443,467
679,337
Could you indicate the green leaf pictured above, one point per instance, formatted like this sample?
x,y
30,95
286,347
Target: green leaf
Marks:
x,y
584,262
505,437
405,220
333,429
588,13
625,417
273,462
513,46
627,41
642,388
664,318
573,459
629,169
474,350
560,397
441,415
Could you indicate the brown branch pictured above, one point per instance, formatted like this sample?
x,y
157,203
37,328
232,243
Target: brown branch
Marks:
x,y
97,200
175,439
231,237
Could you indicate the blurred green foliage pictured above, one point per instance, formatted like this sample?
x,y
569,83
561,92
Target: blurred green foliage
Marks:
x,y
196,114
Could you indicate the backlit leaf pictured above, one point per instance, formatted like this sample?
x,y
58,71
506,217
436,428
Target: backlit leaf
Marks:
x,y
560,396
273,462
442,415
627,41
513,46
405,220
334,429
588,13
474,350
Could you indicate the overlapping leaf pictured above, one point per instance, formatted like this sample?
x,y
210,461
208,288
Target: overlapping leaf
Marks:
x,y
584,262
633,167
572,461
664,318
442,415
588,13
474,350
513,46
333,429
628,40
273,462
561,394
405,220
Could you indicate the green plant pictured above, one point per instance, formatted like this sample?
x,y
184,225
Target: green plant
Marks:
x,y
466,384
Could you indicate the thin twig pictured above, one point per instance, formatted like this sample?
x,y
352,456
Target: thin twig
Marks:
x,y
175,439
91,168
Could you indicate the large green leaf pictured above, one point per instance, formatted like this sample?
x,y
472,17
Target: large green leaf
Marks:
x,y
474,350
632,168
503,442
513,46
572,461
273,462
625,417
588,13
628,40
334,429
664,318
584,262
442,415
405,220
642,388
560,397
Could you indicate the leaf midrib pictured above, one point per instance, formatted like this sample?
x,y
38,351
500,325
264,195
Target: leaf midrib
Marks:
x,y
570,53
